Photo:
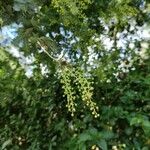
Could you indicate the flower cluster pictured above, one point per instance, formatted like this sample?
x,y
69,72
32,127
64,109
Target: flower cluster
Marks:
x,y
68,90
71,77
86,90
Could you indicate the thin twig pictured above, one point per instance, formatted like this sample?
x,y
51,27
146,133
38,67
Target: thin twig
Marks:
x,y
44,49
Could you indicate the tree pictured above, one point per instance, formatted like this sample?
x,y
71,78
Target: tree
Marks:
x,y
90,83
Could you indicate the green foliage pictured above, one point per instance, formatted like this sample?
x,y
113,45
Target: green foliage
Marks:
x,y
90,97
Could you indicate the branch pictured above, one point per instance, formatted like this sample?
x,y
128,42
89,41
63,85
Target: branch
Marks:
x,y
44,49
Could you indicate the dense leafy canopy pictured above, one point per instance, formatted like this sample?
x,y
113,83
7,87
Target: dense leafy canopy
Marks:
x,y
89,81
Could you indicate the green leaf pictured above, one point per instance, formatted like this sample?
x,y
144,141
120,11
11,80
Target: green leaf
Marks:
x,y
6,143
84,137
146,127
102,144
136,120
145,148
107,134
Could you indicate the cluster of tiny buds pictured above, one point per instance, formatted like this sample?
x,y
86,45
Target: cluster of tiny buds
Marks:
x,y
69,75
68,90
86,92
